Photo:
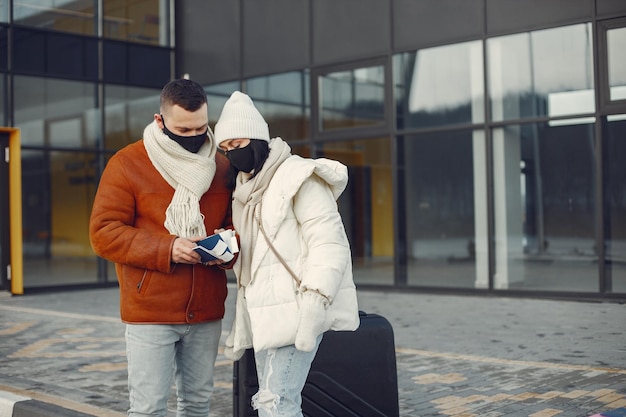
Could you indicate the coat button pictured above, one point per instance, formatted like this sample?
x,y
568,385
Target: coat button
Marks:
x,y
191,316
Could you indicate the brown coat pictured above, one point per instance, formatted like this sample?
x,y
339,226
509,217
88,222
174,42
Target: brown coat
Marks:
x,y
126,227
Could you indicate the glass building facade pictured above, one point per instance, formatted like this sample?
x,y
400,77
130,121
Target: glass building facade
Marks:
x,y
484,151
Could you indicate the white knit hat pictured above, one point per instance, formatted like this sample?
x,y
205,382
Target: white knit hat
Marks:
x,y
240,119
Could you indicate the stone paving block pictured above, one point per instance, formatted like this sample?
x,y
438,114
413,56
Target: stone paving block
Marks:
x,y
548,412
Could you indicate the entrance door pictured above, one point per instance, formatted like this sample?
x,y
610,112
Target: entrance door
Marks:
x,y
5,253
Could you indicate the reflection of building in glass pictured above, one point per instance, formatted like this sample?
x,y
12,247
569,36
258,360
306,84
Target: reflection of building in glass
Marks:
x,y
483,140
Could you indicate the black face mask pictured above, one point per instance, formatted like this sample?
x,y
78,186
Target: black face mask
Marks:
x,y
242,158
190,143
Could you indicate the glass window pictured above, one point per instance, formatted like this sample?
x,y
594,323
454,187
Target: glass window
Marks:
x,y
144,21
78,16
285,103
444,186
4,10
127,112
615,199
58,190
616,45
56,113
542,73
217,94
366,206
439,86
353,98
544,207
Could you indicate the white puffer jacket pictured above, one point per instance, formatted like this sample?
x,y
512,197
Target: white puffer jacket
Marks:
x,y
300,216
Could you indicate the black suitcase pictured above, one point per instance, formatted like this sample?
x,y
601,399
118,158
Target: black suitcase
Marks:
x,y
353,375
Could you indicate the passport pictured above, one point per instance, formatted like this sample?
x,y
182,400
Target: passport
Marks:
x,y
221,245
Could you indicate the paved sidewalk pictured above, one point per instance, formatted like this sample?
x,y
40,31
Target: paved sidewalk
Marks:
x,y
458,356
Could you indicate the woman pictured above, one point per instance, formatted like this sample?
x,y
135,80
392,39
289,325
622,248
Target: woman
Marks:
x,y
294,270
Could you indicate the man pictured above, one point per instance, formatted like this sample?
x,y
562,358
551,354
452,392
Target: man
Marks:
x,y
156,198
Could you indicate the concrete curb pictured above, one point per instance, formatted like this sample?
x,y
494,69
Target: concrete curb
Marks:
x,y
12,405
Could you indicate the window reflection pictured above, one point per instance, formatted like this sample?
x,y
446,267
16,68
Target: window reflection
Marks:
x,y
615,199
4,10
284,101
616,45
143,21
58,190
217,94
544,208
366,206
127,112
446,221
440,86
542,73
56,113
352,98
79,16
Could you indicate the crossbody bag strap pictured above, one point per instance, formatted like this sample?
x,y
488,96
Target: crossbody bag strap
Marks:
x,y
278,256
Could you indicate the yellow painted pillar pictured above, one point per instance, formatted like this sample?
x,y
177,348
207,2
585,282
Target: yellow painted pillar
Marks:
x,y
15,210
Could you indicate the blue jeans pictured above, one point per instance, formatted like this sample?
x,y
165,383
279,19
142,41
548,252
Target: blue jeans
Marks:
x,y
157,353
282,374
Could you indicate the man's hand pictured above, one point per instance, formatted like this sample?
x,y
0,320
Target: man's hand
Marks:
x,y
182,251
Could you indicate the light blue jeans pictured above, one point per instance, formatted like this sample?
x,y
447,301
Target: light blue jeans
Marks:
x,y
157,353
282,374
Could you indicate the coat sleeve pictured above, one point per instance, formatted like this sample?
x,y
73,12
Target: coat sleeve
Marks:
x,y
323,233
112,230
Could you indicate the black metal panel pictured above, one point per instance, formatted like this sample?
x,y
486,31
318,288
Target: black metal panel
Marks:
x,y
115,62
4,48
507,16
610,7
346,30
55,54
29,51
275,36
208,44
426,22
136,64
148,66
72,56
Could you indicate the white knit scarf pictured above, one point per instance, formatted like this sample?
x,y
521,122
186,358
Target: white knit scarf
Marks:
x,y
190,174
246,198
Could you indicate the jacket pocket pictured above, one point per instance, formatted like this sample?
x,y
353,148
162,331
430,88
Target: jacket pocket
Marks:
x,y
142,285
136,278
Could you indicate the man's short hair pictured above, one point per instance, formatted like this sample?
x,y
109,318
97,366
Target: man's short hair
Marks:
x,y
185,93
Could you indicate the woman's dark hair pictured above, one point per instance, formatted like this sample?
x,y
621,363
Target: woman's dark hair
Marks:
x,y
261,150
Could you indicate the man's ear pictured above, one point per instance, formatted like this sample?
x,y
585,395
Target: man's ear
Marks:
x,y
159,120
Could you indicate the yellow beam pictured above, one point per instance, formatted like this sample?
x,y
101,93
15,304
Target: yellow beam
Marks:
x,y
15,210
